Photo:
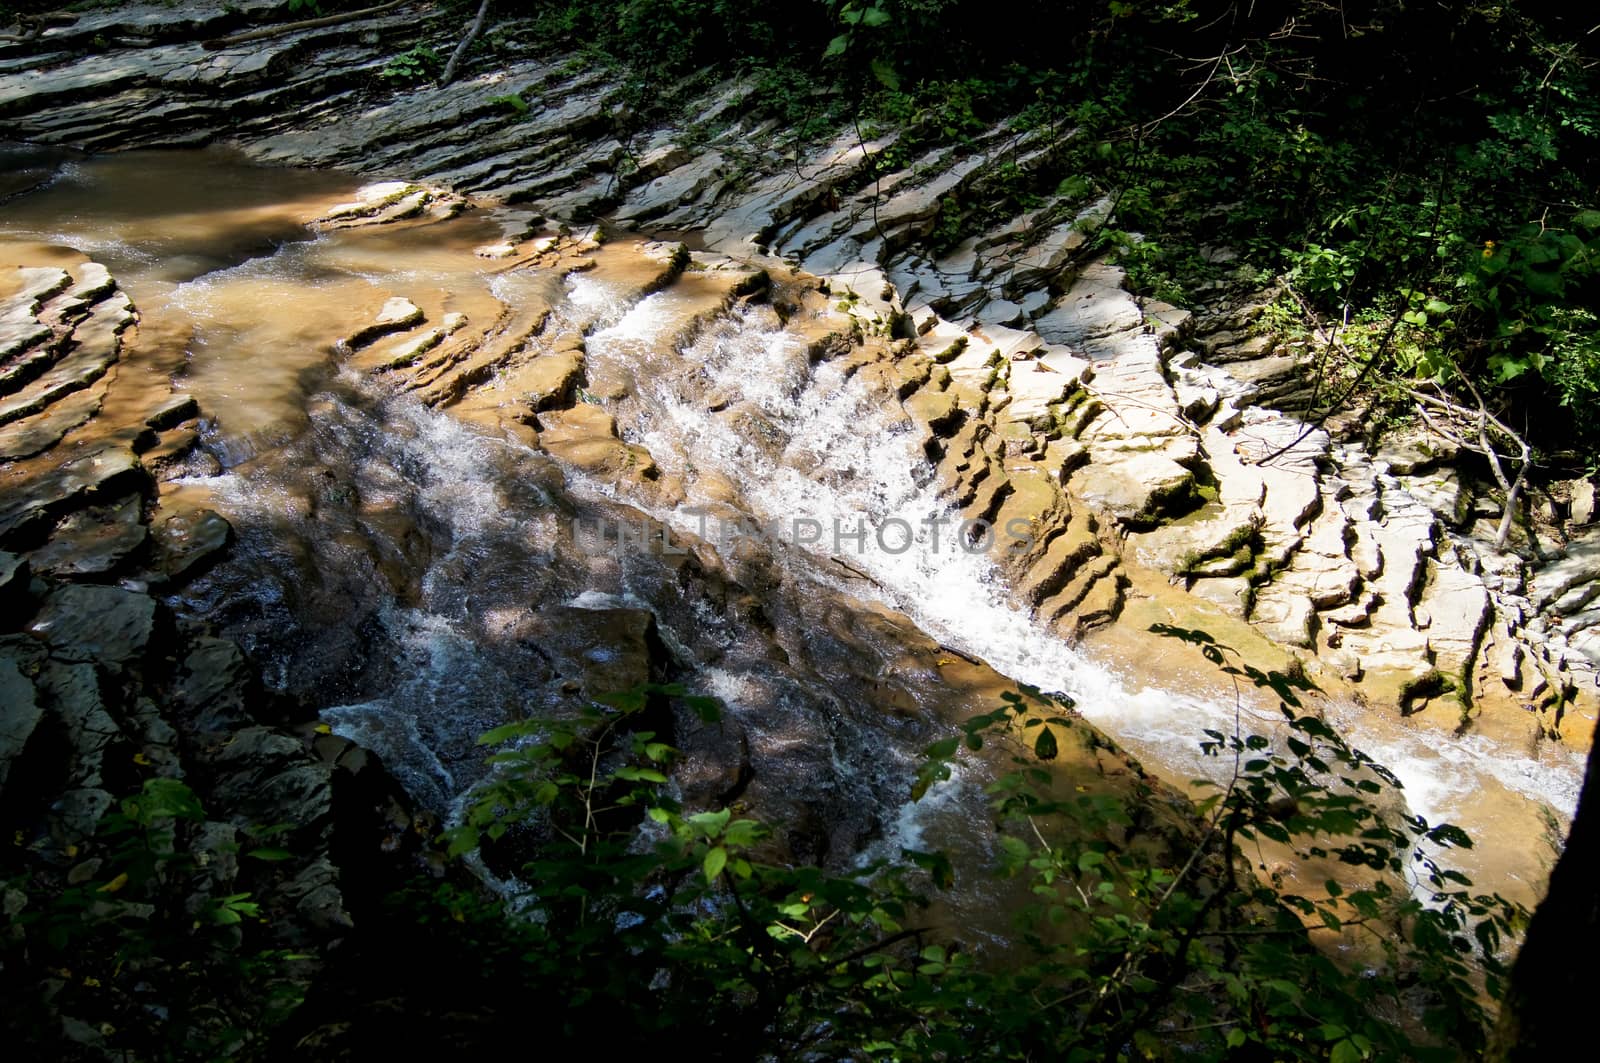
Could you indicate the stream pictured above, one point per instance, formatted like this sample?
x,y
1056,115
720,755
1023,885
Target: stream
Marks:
x,y
421,578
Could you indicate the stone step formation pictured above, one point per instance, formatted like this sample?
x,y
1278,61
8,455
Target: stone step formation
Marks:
x,y
1170,438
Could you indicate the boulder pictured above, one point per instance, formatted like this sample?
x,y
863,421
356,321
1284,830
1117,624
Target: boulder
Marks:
x,y
104,625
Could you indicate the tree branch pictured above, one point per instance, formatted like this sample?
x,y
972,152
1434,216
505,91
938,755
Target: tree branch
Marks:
x,y
291,27
456,56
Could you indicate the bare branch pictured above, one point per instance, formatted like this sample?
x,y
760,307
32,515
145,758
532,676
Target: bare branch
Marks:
x,y
456,56
291,27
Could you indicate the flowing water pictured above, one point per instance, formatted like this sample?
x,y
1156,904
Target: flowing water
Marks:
x,y
421,579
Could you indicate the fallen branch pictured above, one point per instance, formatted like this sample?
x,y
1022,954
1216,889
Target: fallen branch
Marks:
x,y
292,27
1480,423
456,56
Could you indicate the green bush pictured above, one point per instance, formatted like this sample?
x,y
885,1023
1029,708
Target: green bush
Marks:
x,y
1129,948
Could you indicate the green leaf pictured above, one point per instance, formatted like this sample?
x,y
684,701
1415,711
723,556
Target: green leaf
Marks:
x,y
874,16
270,855
837,46
716,860
710,823
503,734
884,71
742,833
1345,1052
1045,745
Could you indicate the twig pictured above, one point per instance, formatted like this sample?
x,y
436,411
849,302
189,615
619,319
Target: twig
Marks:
x,y
291,27
1482,421
456,56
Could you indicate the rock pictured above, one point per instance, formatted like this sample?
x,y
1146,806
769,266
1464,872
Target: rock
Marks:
x,y
1458,610
396,315
104,625
1581,565
606,649
15,592
552,379
73,692
1417,453
173,412
19,714
79,812
1232,595
187,541
1509,664
269,777
93,541
1286,617
1136,490
1000,312
1095,305
316,896
586,436
105,470
1442,492
1582,507
212,684
39,432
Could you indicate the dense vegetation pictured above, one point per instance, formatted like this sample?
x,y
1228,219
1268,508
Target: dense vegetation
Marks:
x,y
632,923
1422,175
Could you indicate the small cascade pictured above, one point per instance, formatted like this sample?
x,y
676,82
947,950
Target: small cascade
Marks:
x,y
410,547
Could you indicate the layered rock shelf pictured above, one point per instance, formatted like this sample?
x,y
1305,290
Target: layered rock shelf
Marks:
x,y
1133,435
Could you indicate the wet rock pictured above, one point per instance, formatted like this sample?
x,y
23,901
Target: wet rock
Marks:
x,y
396,315
96,624
39,432
605,649
172,412
93,541
552,379
186,542
109,469
586,436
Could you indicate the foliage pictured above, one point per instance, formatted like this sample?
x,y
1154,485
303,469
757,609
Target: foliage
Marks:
x,y
141,922
1369,152
420,63
625,889
1134,944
